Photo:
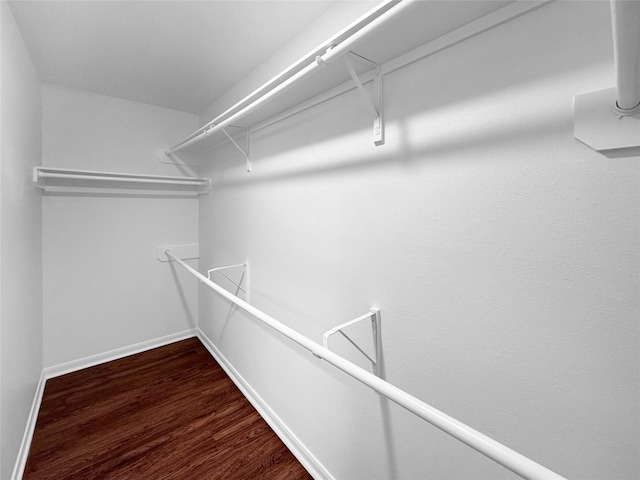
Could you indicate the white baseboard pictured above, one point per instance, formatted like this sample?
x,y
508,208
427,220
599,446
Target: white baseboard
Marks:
x,y
93,360
68,367
293,443
299,450
23,452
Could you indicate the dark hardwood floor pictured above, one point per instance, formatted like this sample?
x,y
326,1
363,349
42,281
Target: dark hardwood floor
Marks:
x,y
169,413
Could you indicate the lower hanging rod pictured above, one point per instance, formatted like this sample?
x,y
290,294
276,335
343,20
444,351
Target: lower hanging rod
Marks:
x,y
508,458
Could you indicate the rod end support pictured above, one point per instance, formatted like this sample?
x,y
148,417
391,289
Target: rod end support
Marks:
x,y
602,127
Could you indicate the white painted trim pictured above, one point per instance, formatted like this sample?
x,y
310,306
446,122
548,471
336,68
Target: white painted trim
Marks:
x,y
25,445
293,443
74,365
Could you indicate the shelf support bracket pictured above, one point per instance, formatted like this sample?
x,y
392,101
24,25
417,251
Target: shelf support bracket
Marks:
x,y
241,285
246,153
373,105
608,120
374,316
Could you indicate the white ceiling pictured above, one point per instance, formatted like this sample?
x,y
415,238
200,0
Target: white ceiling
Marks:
x,y
176,54
184,54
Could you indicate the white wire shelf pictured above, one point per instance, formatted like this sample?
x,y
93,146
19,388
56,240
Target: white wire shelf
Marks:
x,y
63,180
394,34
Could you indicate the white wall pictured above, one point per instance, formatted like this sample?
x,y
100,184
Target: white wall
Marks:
x,y
503,254
103,286
20,240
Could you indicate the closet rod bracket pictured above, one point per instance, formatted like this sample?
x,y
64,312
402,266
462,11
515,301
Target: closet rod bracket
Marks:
x,y
242,285
374,104
374,317
246,153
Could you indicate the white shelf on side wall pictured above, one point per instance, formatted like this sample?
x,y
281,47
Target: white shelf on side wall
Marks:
x,y
63,180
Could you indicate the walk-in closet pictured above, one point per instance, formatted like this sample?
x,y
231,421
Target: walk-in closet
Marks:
x,y
325,239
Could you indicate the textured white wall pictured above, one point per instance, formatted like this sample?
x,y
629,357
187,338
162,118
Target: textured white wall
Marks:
x,y
503,254
20,240
103,286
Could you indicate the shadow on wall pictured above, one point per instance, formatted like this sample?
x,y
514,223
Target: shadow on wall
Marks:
x,y
183,299
406,154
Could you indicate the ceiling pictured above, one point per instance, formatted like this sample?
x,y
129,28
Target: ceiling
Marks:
x,y
176,54
184,54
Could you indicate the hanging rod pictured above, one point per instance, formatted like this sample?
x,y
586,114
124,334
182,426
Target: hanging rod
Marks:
x,y
332,49
625,21
374,317
608,120
508,458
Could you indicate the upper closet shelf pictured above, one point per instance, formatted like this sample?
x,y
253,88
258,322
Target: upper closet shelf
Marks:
x,y
64,180
394,34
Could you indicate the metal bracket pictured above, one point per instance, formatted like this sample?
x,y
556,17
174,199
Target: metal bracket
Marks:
x,y
172,159
374,316
375,104
243,278
183,252
602,126
246,153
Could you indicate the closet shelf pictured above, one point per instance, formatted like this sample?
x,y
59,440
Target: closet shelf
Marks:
x,y
63,180
394,34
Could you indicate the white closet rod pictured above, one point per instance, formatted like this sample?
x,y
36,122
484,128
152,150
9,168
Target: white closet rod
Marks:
x,y
372,21
514,461
625,18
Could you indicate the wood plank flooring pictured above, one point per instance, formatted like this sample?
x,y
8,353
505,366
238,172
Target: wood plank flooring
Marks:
x,y
169,413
